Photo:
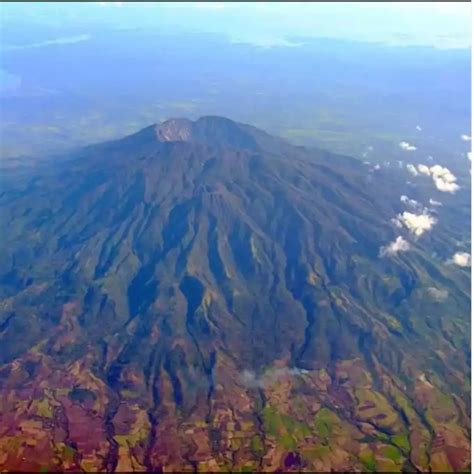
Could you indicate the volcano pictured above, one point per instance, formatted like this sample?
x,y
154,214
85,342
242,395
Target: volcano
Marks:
x,y
204,296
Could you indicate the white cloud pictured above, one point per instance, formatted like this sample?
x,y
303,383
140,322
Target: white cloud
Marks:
x,y
250,379
423,169
412,169
469,155
443,179
57,41
461,259
438,170
264,41
444,186
466,138
418,128
410,202
398,245
396,222
437,294
435,203
417,224
369,149
407,146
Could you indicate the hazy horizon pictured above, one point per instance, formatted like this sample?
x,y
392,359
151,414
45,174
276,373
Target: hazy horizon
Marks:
x,y
436,24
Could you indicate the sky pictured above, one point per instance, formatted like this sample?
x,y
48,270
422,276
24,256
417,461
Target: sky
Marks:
x,y
436,24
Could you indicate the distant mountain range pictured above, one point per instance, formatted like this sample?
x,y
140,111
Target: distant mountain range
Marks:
x,y
204,296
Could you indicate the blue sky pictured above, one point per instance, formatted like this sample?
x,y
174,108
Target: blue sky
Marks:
x,y
438,24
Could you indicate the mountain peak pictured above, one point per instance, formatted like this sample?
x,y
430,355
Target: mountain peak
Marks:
x,y
214,130
174,130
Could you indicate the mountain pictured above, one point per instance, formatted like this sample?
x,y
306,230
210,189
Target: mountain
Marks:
x,y
204,296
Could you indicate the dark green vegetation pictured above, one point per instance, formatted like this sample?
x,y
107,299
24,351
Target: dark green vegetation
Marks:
x,y
203,295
